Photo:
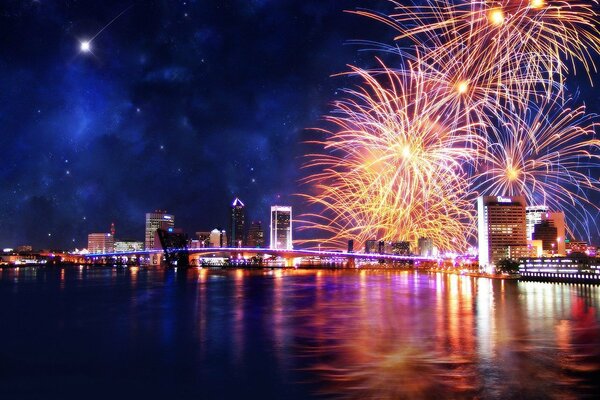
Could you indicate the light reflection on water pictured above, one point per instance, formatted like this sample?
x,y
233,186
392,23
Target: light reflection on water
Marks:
x,y
299,333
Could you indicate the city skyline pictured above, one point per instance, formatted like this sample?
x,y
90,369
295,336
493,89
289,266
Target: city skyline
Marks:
x,y
120,109
167,110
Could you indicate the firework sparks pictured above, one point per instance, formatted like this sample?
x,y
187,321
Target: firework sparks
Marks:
x,y
545,154
476,105
395,168
519,35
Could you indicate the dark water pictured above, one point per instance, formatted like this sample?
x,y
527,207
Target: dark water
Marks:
x,y
199,334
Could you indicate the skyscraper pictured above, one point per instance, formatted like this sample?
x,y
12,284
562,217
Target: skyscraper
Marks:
x,y
551,231
558,219
534,215
154,221
281,228
237,230
502,228
256,236
547,233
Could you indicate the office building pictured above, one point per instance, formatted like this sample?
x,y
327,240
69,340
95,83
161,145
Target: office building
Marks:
x,y
256,235
128,245
558,220
154,221
576,247
218,238
237,230
281,228
545,232
534,215
101,243
501,229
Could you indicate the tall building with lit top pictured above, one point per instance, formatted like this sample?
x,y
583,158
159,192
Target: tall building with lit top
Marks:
x,y
501,228
154,221
237,227
281,228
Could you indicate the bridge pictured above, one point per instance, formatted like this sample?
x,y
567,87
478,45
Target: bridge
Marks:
x,y
241,254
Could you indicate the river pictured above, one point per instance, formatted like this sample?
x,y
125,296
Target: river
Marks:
x,y
144,333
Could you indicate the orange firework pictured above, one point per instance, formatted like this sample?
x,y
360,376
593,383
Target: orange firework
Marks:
x,y
549,154
522,37
476,106
395,168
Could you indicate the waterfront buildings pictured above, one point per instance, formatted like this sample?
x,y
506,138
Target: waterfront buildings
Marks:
x,y
128,245
533,215
203,239
154,221
256,235
237,224
281,228
557,218
218,238
501,229
541,214
101,243
545,232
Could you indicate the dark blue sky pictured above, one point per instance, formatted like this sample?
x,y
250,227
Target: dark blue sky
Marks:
x,y
183,106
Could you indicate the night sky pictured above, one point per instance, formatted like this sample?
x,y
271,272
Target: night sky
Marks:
x,y
182,106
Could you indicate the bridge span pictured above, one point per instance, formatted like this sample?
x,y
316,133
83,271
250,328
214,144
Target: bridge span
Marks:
x,y
244,253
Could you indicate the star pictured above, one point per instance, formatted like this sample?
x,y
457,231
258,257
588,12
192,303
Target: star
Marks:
x,y
85,46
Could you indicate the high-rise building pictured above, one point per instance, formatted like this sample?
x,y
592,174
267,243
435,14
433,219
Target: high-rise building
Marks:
x,y
281,228
547,233
558,220
101,243
154,221
237,232
534,215
501,228
256,235
425,246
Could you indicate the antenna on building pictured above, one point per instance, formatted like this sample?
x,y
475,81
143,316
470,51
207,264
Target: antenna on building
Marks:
x,y
112,229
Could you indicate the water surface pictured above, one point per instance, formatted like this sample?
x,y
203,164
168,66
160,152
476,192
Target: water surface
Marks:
x,y
98,332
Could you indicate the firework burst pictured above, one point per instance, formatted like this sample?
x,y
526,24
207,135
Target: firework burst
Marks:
x,y
476,105
520,36
394,168
549,154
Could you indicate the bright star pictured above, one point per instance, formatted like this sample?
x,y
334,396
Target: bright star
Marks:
x,y
85,46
